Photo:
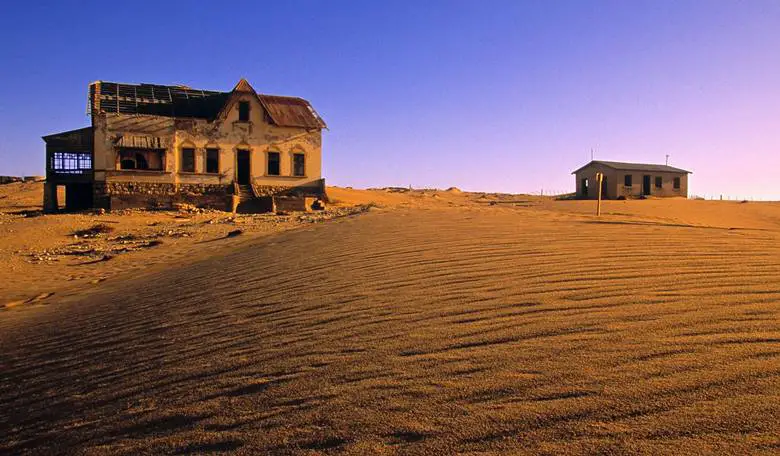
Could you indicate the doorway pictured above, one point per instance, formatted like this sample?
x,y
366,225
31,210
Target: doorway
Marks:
x,y
242,167
78,197
646,185
604,194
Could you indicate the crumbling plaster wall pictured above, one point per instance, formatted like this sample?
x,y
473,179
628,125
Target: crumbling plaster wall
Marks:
x,y
106,129
116,188
229,135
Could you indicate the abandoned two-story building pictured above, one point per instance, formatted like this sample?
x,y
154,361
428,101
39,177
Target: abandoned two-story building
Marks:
x,y
152,146
630,180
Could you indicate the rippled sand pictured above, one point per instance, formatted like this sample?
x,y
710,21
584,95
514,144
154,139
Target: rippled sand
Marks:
x,y
422,329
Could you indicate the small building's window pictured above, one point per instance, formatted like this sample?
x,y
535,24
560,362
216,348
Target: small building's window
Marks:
x,y
212,161
243,111
628,180
659,182
141,159
299,165
676,183
187,160
273,163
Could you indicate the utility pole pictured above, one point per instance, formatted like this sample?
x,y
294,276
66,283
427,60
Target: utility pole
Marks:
x,y
667,159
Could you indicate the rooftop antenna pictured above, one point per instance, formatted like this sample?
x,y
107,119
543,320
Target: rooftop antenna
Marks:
x,y
591,154
667,159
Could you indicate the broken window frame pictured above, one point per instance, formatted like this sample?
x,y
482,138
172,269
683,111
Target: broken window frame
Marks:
x,y
132,154
70,162
212,161
277,162
302,164
187,160
243,111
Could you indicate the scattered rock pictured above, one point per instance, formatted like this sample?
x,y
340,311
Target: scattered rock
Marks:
x,y
9,179
234,233
40,297
94,231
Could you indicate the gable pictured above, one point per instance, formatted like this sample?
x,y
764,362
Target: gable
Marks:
x,y
230,110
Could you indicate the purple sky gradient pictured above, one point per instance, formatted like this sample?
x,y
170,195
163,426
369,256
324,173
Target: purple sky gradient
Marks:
x,y
495,95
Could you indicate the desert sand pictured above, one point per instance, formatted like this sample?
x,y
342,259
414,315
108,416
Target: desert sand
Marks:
x,y
422,322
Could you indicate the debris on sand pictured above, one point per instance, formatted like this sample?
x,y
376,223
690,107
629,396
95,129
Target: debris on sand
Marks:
x,y
94,231
234,233
318,205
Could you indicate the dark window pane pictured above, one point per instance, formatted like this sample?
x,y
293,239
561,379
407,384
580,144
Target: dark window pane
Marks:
x,y
676,183
212,161
273,163
299,165
188,160
628,180
658,182
141,162
243,111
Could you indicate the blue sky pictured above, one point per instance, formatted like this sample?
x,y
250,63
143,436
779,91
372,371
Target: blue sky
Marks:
x,y
483,95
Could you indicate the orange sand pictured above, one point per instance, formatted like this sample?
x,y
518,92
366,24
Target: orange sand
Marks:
x,y
434,323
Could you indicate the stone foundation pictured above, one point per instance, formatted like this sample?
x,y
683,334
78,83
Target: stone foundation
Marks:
x,y
145,195
316,189
293,204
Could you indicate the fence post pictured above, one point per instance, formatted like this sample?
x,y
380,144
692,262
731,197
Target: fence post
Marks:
x,y
599,179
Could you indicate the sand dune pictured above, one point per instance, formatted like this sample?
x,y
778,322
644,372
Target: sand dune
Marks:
x,y
438,323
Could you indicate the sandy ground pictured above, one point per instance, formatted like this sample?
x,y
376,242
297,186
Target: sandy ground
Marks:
x,y
433,323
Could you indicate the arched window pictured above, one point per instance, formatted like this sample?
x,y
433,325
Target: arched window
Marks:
x,y
274,160
127,159
187,164
299,164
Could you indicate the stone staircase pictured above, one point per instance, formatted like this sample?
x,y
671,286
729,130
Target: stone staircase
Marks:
x,y
245,193
248,203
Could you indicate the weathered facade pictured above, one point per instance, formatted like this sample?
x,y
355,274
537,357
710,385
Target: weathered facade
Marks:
x,y
155,146
630,180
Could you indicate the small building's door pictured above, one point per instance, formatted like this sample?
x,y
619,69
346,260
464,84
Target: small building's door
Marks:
x,y
604,194
242,167
584,187
646,185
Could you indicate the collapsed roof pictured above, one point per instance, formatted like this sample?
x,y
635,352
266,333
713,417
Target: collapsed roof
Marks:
x,y
621,166
181,101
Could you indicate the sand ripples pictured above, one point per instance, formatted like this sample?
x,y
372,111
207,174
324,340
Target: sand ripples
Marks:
x,y
416,331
